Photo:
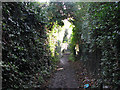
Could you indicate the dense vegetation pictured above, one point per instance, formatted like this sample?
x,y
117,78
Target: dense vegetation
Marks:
x,y
29,52
25,51
97,32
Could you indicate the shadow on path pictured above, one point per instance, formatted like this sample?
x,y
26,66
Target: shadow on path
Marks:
x,y
64,77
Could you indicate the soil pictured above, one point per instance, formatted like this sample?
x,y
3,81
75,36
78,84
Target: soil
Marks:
x,y
64,77
69,74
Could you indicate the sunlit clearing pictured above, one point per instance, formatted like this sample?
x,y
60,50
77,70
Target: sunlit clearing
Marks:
x,y
67,26
57,34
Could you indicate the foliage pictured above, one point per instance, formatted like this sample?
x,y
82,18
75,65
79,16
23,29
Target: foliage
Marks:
x,y
65,39
105,34
28,50
25,50
97,33
54,42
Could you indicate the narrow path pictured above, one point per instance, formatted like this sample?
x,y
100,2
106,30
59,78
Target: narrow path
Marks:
x,y
64,77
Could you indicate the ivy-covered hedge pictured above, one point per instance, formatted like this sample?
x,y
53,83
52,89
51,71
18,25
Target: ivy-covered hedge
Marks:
x,y
24,38
26,52
97,32
105,33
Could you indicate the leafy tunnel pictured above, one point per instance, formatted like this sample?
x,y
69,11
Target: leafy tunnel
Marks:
x,y
36,35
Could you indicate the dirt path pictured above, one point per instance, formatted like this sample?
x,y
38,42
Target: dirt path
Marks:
x,y
64,77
